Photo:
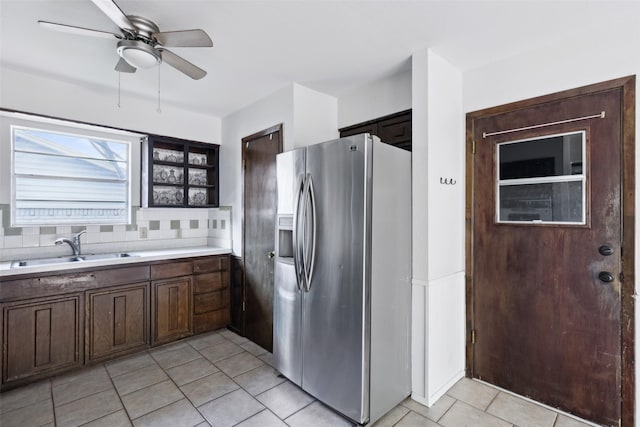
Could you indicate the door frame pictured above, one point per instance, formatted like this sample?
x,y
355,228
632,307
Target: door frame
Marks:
x,y
275,128
627,86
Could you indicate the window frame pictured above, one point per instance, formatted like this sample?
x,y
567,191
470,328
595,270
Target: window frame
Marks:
x,y
72,131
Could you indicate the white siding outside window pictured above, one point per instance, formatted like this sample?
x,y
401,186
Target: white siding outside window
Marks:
x,y
66,178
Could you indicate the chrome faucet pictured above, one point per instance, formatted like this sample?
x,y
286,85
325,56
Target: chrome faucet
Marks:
x,y
74,242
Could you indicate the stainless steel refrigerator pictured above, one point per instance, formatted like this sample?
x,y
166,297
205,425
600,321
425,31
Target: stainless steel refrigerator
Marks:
x,y
342,274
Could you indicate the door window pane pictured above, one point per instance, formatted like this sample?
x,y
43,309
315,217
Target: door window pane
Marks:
x,y
550,202
549,156
542,180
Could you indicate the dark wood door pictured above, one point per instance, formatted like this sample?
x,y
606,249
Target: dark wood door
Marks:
x,y
546,299
259,157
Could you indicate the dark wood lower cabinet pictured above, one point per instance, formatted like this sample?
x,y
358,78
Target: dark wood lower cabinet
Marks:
x,y
41,336
52,323
117,321
236,322
171,307
211,308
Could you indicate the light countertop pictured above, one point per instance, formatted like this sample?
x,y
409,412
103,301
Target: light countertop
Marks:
x,y
140,256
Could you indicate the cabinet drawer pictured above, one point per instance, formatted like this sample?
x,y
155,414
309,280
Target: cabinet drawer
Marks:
x,y
171,269
211,301
211,321
210,282
217,263
122,275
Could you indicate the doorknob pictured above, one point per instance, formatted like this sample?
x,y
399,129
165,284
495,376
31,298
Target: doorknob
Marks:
x,y
605,250
271,254
605,276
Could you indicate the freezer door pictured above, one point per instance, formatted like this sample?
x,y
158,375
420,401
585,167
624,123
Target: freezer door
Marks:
x,y
287,327
289,173
287,301
335,307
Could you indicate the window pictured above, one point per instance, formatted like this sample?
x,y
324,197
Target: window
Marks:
x,y
64,178
542,180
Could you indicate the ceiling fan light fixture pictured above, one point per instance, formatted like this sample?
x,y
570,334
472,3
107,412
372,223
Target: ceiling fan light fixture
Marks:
x,y
138,54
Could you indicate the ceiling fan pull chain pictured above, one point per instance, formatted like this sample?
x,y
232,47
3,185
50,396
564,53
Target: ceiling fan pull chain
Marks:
x,y
159,110
119,73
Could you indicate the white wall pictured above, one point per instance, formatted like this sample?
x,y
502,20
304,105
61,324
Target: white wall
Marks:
x,y
272,110
314,116
438,299
564,65
376,99
34,93
307,116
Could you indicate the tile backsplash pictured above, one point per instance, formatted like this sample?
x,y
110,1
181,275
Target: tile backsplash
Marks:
x,y
151,228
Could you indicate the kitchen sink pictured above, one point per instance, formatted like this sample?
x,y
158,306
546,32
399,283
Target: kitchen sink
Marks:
x,y
92,257
71,259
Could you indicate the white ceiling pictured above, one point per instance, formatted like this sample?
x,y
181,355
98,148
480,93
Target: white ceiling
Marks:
x,y
261,46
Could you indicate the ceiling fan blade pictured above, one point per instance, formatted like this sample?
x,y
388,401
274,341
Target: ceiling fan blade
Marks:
x,y
78,30
182,65
111,9
185,38
124,67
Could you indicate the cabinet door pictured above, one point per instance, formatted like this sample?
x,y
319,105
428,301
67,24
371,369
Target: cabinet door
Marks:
x,y
371,128
41,336
171,309
396,131
117,320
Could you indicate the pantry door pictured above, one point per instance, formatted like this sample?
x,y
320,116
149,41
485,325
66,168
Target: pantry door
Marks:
x,y
546,294
259,153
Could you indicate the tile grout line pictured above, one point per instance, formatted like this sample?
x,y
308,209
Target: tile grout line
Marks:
x,y
126,411
176,385
448,409
556,411
197,408
305,406
125,357
404,416
53,404
491,402
494,415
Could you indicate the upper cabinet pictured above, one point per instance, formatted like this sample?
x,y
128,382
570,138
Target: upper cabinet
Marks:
x,y
179,173
394,129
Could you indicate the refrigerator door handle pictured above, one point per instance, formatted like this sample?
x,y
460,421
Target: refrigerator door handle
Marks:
x,y
298,263
310,263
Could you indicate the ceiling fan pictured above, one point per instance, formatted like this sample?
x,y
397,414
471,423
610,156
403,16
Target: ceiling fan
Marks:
x,y
141,43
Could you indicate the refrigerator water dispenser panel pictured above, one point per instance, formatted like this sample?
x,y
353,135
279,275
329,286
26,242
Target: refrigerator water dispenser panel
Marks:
x,y
285,238
285,244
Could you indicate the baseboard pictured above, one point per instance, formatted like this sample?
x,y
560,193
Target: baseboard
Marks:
x,y
434,397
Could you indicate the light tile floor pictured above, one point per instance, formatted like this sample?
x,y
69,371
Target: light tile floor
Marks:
x,y
222,379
